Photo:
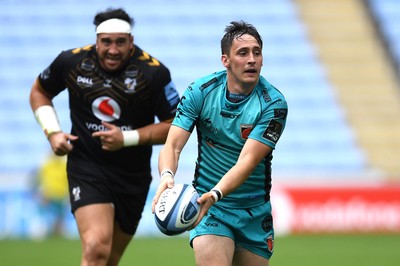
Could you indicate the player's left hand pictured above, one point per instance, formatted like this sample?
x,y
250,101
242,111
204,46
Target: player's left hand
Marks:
x,y
111,139
206,201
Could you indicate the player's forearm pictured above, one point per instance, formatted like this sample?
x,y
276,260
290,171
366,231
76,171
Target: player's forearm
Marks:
x,y
154,134
168,159
169,154
235,177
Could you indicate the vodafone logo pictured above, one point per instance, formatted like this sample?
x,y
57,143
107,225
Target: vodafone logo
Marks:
x,y
106,109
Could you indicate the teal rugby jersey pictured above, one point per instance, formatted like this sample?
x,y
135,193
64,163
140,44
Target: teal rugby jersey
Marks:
x,y
223,128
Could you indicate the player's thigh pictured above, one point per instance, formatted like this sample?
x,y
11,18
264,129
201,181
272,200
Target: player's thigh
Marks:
x,y
95,221
212,250
243,257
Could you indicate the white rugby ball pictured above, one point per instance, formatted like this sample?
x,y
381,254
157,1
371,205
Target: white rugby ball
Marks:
x,y
177,209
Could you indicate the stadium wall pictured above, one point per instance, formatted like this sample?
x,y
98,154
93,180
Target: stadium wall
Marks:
x,y
318,207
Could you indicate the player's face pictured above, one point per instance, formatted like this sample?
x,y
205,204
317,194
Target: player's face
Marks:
x,y
243,63
114,50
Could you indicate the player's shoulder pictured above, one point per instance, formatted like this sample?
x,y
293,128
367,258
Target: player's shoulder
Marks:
x,y
209,82
146,61
74,55
78,52
269,93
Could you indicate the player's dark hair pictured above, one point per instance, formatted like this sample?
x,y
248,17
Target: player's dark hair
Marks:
x,y
112,13
235,30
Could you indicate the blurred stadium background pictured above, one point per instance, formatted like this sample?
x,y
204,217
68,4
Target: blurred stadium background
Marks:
x,y
335,169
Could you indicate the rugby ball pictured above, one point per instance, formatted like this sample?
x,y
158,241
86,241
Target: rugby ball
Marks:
x,y
177,209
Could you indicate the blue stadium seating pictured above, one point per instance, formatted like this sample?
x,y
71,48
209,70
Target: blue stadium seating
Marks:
x,y
185,36
387,13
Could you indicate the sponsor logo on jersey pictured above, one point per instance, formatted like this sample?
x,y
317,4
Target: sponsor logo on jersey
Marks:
x,y
171,94
209,126
266,96
229,115
84,81
273,131
208,83
88,64
106,109
45,74
280,113
100,127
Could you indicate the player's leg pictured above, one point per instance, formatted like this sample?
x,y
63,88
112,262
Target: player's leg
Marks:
x,y
243,257
213,239
95,225
128,212
255,237
119,244
212,250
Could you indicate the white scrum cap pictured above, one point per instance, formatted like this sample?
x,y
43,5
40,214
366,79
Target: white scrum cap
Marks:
x,y
114,25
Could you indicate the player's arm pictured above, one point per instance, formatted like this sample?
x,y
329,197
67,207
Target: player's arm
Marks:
x,y
38,97
45,114
251,155
169,157
114,138
155,133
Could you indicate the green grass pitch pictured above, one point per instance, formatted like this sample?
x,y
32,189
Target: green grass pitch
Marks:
x,y
298,250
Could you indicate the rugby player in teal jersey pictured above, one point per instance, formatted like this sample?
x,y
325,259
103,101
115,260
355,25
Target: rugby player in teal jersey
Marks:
x,y
239,117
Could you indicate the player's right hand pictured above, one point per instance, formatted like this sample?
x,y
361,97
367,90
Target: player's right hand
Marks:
x,y
167,181
61,143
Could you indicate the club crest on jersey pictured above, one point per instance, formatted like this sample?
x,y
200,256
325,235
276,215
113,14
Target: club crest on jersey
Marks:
x,y
245,130
130,84
106,109
270,244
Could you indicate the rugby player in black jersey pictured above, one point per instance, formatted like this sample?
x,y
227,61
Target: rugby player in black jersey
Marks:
x,y
116,90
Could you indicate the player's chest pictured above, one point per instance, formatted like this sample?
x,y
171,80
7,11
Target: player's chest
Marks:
x,y
89,83
221,119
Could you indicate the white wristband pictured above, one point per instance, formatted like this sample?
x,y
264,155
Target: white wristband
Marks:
x,y
167,172
131,138
47,118
217,194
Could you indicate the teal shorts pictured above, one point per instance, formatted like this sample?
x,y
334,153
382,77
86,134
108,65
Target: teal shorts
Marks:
x,y
250,228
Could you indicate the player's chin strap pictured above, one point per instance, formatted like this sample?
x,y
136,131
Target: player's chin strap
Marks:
x,y
217,194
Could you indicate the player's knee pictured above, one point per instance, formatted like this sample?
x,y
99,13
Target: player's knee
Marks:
x,y
96,250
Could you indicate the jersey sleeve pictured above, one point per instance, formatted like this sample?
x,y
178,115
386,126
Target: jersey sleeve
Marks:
x,y
193,99
167,98
52,78
270,127
189,108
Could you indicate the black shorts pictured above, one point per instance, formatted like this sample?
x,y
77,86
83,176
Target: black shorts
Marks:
x,y
91,183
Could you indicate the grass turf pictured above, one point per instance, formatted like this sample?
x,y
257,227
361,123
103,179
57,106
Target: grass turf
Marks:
x,y
299,250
